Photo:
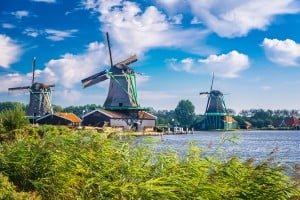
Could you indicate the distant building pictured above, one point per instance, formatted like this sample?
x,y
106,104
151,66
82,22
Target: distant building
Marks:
x,y
245,125
288,122
126,120
60,118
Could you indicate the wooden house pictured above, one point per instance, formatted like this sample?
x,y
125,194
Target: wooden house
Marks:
x,y
60,118
126,120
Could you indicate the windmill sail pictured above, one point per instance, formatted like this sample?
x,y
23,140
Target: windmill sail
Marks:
x,y
96,78
19,88
128,61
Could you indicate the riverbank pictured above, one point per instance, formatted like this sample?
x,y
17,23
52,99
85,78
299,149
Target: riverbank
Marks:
x,y
51,162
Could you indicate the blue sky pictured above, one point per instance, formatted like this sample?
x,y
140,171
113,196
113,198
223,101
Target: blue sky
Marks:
x,y
252,46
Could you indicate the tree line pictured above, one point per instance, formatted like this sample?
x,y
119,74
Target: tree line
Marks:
x,y
183,115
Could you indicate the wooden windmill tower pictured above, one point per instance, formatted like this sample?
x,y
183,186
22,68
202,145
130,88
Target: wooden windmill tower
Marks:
x,y
40,97
216,115
121,107
122,93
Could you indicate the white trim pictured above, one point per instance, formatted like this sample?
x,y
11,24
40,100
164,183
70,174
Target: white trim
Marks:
x,y
98,110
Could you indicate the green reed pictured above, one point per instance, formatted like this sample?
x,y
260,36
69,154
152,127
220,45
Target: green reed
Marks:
x,y
58,163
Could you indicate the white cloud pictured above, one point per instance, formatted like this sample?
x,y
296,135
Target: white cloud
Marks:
x,y
20,14
58,35
161,99
45,1
177,19
134,30
195,20
170,5
32,32
13,80
9,51
282,52
70,69
140,79
69,96
8,26
50,34
236,18
225,65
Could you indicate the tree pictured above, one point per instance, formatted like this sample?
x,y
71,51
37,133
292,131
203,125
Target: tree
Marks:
x,y
185,113
57,108
13,118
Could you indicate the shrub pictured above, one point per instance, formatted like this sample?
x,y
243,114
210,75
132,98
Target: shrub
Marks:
x,y
8,191
13,118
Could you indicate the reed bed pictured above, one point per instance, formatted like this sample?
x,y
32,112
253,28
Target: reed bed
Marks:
x,y
59,163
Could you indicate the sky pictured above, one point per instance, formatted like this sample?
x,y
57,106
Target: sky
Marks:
x,y
252,47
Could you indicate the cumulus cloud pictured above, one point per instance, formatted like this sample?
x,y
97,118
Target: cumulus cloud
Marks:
x,y
9,51
136,30
69,96
282,52
20,14
70,69
14,80
236,18
224,65
177,19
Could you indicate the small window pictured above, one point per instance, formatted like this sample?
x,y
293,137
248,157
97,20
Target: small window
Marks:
x,y
120,104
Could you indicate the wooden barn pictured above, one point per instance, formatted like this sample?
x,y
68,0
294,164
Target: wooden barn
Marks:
x,y
126,120
59,118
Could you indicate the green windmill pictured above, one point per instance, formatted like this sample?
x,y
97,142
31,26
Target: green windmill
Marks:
x,y
122,93
40,102
216,115
121,107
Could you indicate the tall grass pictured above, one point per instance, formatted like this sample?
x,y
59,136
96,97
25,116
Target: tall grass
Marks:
x,y
58,163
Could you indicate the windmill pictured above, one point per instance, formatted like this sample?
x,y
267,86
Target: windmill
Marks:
x,y
40,96
216,111
122,93
121,107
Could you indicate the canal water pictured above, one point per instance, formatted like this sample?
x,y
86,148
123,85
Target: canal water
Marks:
x,y
283,146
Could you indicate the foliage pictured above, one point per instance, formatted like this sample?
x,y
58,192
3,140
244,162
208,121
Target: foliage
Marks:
x,y
57,108
81,110
8,105
70,164
185,113
13,118
165,117
8,191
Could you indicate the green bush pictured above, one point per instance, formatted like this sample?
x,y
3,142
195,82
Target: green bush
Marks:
x,y
88,165
8,191
13,118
